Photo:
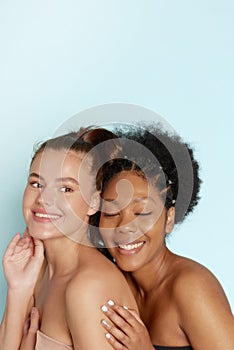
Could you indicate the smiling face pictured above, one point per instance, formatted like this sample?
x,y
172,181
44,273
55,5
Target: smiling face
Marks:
x,y
133,220
53,204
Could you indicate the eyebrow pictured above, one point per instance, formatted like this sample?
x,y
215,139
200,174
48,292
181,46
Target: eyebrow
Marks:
x,y
36,175
69,179
61,179
136,200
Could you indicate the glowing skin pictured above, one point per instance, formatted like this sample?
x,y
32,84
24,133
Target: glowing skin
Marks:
x,y
55,210
134,230
53,204
168,288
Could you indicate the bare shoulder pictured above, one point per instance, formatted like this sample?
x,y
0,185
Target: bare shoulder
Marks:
x,y
194,280
99,277
197,292
91,287
201,304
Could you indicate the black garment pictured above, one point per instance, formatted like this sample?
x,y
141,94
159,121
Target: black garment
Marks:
x,y
172,347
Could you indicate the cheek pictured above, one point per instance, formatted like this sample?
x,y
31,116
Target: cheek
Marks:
x,y
108,222
154,221
75,207
27,200
107,230
148,223
107,234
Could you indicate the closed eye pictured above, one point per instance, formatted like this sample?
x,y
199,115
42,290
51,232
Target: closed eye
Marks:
x,y
110,214
144,214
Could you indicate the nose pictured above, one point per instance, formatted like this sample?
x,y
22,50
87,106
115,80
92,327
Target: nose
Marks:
x,y
127,232
46,197
126,227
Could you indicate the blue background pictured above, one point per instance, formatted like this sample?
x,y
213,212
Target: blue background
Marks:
x,y
59,57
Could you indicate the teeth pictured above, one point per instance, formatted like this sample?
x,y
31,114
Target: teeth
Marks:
x,y
131,246
47,216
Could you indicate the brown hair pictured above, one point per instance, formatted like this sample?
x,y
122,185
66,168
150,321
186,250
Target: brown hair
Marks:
x,y
83,141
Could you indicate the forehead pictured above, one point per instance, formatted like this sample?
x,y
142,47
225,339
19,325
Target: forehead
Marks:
x,y
51,162
129,184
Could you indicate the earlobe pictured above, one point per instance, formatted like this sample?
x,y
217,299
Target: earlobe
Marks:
x,y
170,220
94,203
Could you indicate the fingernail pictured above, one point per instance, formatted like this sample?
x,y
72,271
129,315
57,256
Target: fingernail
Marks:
x,y
104,308
108,336
125,307
110,302
104,322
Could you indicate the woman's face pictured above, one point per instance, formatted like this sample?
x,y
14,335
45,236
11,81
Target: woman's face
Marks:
x,y
53,203
134,220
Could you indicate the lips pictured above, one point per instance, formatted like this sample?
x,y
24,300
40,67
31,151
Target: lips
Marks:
x,y
130,248
47,216
43,216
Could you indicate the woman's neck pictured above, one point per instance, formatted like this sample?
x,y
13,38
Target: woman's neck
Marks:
x,y
150,276
63,254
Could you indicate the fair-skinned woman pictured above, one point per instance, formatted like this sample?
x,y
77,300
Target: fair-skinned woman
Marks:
x,y
59,198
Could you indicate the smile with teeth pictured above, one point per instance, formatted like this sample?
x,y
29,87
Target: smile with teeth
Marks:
x,y
130,246
47,216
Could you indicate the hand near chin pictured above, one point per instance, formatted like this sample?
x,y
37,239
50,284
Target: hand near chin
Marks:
x,y
125,330
22,261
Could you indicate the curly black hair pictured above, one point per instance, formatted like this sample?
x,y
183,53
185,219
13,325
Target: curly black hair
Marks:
x,y
162,158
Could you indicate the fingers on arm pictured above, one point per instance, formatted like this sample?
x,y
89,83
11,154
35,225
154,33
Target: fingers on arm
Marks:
x,y
112,340
84,314
125,328
30,330
122,317
115,336
34,321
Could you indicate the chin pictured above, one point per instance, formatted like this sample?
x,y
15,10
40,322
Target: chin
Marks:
x,y
39,233
127,267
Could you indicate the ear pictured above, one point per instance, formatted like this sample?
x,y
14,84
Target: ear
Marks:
x,y
170,220
94,203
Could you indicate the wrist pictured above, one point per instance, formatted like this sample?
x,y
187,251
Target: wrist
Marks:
x,y
22,290
20,295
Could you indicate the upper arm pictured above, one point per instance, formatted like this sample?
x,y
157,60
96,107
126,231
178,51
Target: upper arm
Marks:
x,y
205,314
84,299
